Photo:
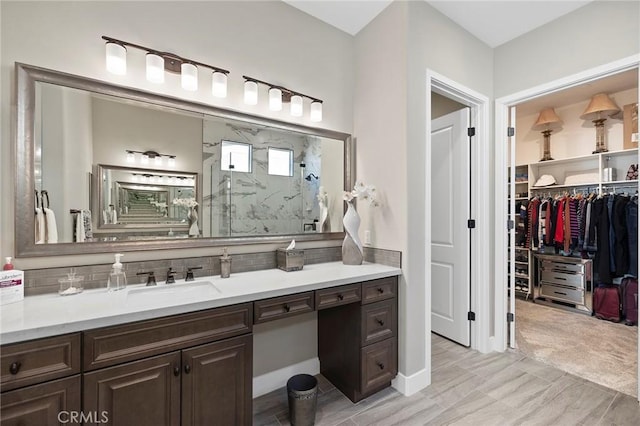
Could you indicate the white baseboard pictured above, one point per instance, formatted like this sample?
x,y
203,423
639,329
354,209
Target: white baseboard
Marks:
x,y
408,385
278,379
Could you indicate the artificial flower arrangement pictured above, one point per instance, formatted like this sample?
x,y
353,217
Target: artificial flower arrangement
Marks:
x,y
185,202
362,191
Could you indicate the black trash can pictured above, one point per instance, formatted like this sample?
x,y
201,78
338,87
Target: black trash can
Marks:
x,y
302,390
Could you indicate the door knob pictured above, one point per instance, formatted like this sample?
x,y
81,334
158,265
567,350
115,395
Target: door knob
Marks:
x,y
380,365
287,308
15,367
379,321
380,290
187,368
340,297
176,370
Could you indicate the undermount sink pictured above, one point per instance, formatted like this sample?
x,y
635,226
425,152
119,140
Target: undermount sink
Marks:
x,y
176,293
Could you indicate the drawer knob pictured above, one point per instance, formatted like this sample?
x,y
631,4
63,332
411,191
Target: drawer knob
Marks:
x,y
380,365
15,367
286,307
379,321
176,370
380,290
340,297
187,368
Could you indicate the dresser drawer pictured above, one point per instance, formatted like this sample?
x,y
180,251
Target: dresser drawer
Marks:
x,y
379,365
113,345
378,321
337,296
568,279
40,360
556,266
565,294
381,289
282,307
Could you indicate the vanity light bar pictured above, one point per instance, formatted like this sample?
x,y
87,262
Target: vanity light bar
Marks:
x,y
278,95
158,62
157,179
147,156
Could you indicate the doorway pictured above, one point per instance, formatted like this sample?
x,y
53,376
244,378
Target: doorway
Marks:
x,y
505,118
479,331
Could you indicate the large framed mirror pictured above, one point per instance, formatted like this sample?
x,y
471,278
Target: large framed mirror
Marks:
x,y
118,169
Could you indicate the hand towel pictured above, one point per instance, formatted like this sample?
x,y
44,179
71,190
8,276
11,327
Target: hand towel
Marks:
x,y
88,227
52,227
114,217
80,236
40,226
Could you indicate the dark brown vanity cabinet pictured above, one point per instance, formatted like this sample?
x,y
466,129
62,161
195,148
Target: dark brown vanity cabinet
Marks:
x,y
357,342
204,379
40,381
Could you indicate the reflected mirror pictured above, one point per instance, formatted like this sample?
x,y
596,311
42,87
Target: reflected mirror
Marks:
x,y
119,169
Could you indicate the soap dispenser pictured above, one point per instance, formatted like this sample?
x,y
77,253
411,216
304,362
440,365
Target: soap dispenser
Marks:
x,y
225,264
117,278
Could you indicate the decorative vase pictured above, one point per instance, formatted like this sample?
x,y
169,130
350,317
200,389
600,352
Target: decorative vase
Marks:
x,y
192,217
323,225
351,246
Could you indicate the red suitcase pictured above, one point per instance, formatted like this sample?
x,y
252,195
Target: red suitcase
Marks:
x,y
606,303
629,287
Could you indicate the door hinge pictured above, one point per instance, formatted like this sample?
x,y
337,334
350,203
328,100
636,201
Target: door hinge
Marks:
x,y
471,316
471,131
511,131
510,225
510,317
471,223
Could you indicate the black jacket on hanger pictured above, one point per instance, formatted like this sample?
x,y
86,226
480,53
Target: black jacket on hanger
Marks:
x,y
600,220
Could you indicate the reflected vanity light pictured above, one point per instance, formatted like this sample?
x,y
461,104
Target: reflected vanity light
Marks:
x,y
278,95
159,62
146,156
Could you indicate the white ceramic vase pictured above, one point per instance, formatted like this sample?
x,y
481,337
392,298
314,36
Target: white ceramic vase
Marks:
x,y
323,225
192,216
351,246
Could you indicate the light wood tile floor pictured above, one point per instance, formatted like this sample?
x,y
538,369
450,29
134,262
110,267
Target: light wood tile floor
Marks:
x,y
470,388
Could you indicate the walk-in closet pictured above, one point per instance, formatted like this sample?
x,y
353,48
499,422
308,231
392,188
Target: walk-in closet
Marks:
x,y
573,192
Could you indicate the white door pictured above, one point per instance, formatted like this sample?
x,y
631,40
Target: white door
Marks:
x,y
450,234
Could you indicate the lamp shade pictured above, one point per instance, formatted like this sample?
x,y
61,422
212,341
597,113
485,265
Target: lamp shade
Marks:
x,y
219,84
296,105
189,76
116,58
155,68
316,111
547,119
600,104
250,92
275,99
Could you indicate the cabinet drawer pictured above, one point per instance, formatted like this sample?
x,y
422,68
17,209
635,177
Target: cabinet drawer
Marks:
x,y
282,307
379,365
378,321
39,360
548,265
337,296
382,289
563,279
117,344
565,294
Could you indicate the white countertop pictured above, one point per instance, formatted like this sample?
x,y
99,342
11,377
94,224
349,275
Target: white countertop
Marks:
x,y
50,314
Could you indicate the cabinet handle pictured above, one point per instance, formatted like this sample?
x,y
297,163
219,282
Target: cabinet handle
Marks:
x,y
286,307
379,321
380,365
340,297
187,368
380,290
15,367
176,370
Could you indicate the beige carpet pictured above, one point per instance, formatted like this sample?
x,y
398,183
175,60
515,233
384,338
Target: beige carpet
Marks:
x,y
600,351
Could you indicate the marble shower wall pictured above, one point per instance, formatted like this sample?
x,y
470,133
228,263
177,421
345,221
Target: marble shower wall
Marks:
x,y
256,203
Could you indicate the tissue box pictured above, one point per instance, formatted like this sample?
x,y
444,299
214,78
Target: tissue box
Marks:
x,y
290,260
11,286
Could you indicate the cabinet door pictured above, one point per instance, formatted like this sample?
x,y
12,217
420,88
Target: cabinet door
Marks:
x,y
41,405
145,392
216,383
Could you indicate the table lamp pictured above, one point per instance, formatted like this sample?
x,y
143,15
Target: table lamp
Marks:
x,y
547,121
599,109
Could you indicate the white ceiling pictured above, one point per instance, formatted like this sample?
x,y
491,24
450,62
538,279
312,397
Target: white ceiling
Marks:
x,y
493,22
